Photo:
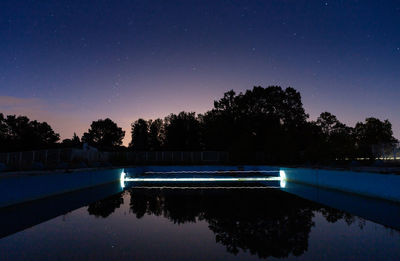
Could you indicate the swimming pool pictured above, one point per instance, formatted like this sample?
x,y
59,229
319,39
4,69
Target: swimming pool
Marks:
x,y
164,221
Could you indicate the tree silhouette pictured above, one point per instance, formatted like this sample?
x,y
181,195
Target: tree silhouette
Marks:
x,y
19,133
3,133
156,134
220,122
338,142
261,125
75,142
182,131
328,123
261,119
104,134
270,122
372,136
147,135
140,135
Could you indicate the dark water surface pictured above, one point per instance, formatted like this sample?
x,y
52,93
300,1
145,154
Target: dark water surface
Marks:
x,y
189,224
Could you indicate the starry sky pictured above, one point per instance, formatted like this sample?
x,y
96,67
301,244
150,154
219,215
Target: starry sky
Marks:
x,y
72,62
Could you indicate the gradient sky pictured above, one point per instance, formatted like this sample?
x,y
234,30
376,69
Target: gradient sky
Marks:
x,y
72,62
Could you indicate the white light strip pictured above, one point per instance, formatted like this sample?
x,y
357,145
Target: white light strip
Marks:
x,y
185,187
122,179
200,179
211,171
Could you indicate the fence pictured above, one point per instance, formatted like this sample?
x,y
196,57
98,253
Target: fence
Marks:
x,y
74,158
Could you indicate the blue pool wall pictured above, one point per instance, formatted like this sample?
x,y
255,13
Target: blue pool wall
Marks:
x,y
377,185
15,218
19,188
380,211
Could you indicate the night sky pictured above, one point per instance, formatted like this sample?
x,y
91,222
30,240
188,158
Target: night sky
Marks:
x,y
72,62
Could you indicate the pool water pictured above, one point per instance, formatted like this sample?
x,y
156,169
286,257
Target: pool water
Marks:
x,y
191,223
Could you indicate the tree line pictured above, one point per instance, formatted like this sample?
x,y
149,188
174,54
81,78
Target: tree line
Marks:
x,y
270,121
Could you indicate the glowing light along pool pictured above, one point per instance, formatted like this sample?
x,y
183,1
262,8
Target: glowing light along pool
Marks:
x,y
281,177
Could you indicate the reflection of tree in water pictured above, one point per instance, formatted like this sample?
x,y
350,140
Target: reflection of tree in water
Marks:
x,y
332,216
105,207
263,222
177,206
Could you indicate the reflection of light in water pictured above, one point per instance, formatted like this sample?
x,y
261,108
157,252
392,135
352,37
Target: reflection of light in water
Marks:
x,y
282,176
